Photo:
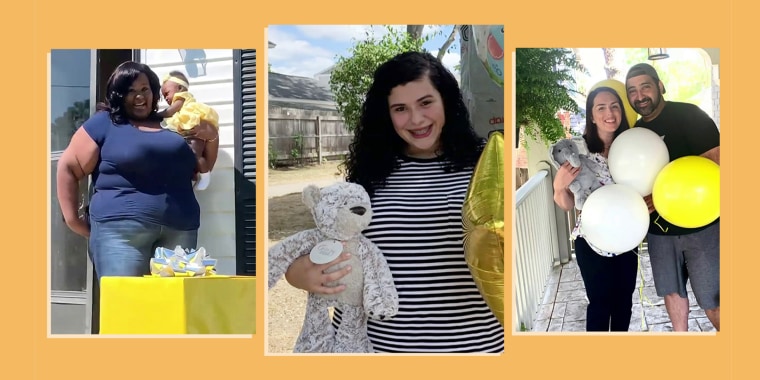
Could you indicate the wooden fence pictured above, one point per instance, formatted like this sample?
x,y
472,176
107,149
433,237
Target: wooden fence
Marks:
x,y
298,139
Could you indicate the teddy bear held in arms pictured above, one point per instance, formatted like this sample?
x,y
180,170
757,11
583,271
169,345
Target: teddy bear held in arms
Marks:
x,y
341,212
575,151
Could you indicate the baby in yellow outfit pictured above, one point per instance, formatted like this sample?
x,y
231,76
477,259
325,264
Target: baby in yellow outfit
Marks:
x,y
184,114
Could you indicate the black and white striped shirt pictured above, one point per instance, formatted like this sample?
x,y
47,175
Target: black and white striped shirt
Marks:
x,y
417,223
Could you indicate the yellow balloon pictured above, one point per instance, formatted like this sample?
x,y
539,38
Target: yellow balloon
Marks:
x,y
483,221
619,87
686,192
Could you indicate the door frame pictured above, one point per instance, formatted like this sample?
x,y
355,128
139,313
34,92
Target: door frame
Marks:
x,y
72,297
87,297
90,268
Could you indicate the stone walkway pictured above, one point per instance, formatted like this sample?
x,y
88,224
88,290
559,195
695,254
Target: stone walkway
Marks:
x,y
563,308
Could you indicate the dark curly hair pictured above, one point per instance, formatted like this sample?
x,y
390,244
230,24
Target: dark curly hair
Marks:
x,y
118,88
376,146
591,133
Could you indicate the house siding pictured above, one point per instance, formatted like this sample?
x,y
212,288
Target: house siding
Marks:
x,y
212,83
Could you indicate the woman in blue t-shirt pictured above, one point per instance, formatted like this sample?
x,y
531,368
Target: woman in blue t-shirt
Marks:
x,y
142,175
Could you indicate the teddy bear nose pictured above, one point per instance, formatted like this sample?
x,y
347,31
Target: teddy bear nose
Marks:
x,y
358,210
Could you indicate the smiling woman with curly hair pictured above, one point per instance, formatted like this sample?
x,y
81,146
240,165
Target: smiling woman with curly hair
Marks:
x,y
414,151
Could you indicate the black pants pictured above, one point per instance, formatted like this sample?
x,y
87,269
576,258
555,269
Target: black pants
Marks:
x,y
610,282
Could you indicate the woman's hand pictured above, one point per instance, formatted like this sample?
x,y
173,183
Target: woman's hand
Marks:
x,y
565,175
306,275
562,196
204,131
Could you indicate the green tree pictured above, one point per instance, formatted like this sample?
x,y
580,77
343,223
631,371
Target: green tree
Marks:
x,y
634,56
415,31
64,126
685,80
352,75
609,63
544,85
448,45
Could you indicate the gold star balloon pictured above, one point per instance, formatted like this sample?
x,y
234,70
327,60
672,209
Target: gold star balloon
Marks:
x,y
483,221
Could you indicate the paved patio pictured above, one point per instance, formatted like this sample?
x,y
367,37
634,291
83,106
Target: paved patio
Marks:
x,y
563,308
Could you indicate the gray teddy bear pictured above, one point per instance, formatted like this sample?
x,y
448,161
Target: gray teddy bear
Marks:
x,y
575,151
341,212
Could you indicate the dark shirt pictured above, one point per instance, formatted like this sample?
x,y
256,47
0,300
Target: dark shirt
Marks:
x,y
686,131
141,175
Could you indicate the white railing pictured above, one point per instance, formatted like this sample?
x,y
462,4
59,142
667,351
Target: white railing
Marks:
x,y
537,246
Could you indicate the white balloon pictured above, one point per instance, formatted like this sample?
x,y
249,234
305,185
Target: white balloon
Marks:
x,y
636,157
615,218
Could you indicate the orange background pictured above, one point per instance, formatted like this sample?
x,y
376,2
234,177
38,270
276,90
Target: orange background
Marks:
x,y
220,24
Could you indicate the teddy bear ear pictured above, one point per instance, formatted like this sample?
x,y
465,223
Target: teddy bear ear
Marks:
x,y
580,143
311,195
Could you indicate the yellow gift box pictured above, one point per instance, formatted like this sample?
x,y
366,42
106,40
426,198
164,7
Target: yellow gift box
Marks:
x,y
178,305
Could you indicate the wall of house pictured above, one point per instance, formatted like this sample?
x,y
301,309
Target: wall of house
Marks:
x,y
323,79
210,73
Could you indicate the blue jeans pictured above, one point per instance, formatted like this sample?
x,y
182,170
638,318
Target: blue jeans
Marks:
x,y
125,247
